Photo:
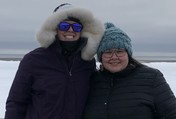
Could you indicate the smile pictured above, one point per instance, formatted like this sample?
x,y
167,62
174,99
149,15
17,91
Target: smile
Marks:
x,y
69,37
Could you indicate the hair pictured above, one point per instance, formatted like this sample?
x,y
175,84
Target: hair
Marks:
x,y
134,62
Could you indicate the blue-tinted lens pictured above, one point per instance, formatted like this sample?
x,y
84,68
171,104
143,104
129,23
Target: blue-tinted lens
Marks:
x,y
77,27
64,26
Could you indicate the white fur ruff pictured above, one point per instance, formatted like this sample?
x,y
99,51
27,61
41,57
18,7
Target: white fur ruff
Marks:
x,y
93,29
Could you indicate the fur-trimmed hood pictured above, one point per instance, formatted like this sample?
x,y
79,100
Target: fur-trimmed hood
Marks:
x,y
93,29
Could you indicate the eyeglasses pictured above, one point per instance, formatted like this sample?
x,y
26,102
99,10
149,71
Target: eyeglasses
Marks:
x,y
65,26
118,53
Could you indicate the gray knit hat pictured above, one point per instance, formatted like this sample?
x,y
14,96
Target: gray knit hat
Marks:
x,y
114,38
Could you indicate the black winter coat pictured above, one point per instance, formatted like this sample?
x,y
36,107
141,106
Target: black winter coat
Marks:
x,y
139,93
46,87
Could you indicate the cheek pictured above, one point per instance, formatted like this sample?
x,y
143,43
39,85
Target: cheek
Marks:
x,y
59,32
78,35
106,65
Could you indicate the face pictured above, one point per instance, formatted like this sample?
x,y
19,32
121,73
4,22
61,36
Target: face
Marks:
x,y
70,34
115,60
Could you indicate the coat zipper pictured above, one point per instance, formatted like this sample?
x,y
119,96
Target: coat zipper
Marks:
x,y
108,99
70,70
70,73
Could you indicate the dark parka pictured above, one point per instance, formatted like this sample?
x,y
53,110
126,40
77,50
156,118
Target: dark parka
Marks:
x,y
45,87
135,93
50,83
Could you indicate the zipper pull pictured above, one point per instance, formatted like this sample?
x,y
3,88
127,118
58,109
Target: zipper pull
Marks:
x,y
70,73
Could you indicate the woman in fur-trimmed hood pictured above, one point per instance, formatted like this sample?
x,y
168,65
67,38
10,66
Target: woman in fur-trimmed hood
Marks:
x,y
52,82
93,28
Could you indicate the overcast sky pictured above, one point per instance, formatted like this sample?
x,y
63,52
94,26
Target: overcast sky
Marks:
x,y
151,24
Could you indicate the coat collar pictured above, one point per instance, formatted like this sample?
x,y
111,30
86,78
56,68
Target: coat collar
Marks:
x,y
56,46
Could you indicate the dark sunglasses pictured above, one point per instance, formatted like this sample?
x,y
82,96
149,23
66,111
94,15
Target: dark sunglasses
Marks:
x,y
64,26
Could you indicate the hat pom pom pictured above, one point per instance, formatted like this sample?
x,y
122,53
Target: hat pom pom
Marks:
x,y
109,25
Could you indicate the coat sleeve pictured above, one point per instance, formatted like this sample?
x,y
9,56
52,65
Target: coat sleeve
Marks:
x,y
164,99
19,95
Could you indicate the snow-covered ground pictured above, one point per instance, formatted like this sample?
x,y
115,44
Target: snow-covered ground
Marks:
x,y
9,68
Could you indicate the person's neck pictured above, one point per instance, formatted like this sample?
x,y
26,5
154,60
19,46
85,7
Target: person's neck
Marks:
x,y
69,46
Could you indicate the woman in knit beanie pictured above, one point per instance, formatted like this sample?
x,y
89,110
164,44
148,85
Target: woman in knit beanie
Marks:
x,y
124,88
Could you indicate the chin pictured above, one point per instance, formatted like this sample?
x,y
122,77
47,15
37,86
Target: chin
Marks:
x,y
114,70
67,39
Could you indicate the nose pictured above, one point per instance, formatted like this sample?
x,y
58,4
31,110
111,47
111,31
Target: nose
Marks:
x,y
70,29
114,55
